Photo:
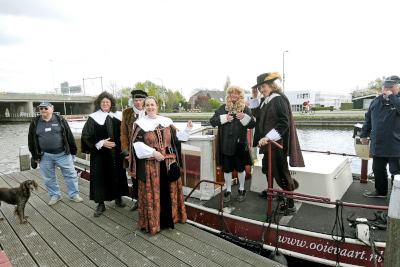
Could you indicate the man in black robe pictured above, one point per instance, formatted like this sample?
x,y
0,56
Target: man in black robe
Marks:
x,y
101,138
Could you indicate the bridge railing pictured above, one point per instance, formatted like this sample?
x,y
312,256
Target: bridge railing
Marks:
x,y
23,115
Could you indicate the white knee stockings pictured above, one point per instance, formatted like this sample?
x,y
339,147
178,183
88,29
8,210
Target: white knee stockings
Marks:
x,y
228,180
241,176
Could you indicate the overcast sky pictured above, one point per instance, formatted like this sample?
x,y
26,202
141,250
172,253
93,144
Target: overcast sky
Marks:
x,y
333,45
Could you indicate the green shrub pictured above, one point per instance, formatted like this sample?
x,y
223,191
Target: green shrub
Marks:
x,y
321,108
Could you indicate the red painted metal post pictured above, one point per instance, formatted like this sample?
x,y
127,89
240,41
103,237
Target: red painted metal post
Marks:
x,y
364,171
269,179
270,172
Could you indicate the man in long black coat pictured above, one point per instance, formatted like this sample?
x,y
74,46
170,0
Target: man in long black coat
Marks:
x,y
101,138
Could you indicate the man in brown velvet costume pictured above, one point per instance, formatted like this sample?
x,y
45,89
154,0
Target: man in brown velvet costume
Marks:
x,y
129,116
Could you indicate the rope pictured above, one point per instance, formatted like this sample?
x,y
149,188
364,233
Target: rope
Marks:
x,y
280,198
262,237
373,248
223,223
379,222
339,226
241,241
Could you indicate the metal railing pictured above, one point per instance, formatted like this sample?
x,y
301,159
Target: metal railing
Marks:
x,y
305,197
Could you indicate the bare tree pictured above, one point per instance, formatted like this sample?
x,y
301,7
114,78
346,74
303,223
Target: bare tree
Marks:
x,y
227,83
112,86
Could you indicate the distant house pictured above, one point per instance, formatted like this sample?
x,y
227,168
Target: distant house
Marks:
x,y
363,102
214,94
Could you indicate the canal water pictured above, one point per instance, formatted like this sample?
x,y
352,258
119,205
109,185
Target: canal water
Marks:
x,y
337,140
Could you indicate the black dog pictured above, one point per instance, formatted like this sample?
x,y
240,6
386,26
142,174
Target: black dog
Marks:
x,y
18,196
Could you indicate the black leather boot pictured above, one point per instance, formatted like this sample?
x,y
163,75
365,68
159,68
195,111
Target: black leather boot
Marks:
x,y
120,203
99,210
135,206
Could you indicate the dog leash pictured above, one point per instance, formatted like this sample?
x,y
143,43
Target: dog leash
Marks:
x,y
11,177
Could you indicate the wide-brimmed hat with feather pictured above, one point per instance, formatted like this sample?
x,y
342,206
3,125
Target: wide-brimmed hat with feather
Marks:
x,y
267,77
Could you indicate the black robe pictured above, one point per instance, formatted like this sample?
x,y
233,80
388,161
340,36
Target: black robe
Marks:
x,y
108,179
229,134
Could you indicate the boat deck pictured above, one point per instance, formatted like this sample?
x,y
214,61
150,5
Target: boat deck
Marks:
x,y
308,216
67,234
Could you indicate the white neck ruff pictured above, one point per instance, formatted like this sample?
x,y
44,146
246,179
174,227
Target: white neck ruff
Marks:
x,y
269,98
148,124
100,116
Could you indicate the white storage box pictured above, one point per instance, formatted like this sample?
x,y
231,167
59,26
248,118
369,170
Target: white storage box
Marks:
x,y
324,175
202,146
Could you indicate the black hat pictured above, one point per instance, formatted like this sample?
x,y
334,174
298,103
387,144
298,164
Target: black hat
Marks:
x,y
267,77
392,80
139,94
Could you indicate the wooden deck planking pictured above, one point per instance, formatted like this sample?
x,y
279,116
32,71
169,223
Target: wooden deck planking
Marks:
x,y
221,244
74,237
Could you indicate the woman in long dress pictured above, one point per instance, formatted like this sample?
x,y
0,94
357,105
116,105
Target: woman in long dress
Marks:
x,y
101,139
156,144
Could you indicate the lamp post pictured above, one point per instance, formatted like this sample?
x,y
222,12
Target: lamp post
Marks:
x,y
283,84
162,87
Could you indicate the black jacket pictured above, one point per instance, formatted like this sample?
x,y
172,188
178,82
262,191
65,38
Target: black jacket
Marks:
x,y
68,139
230,133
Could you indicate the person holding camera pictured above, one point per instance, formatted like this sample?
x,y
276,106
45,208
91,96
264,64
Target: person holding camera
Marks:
x,y
382,125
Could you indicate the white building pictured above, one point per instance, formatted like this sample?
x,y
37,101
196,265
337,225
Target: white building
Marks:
x,y
317,99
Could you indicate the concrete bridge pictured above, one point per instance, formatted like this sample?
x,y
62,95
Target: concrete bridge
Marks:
x,y
25,104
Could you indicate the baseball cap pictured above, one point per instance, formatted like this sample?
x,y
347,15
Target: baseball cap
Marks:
x,y
45,104
392,80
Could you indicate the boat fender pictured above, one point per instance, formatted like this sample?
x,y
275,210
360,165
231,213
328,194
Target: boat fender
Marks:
x,y
362,229
278,257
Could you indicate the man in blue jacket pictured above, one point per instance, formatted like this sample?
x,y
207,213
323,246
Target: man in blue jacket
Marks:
x,y
382,124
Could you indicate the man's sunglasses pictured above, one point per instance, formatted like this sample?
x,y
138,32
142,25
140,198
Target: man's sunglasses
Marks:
x,y
43,108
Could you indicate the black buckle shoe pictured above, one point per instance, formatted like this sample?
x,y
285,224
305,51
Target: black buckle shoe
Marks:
x,y
135,206
227,197
288,211
120,203
263,194
241,196
99,210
